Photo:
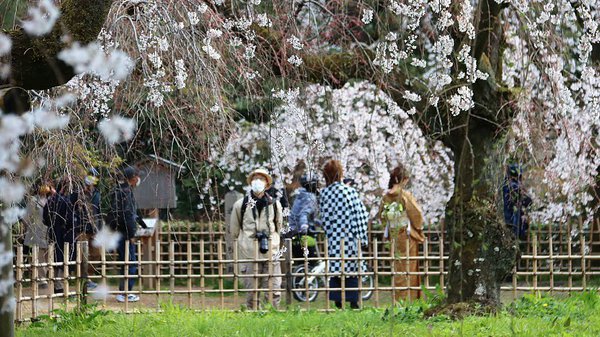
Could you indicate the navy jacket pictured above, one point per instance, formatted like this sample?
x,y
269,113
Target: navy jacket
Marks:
x,y
515,203
58,216
123,210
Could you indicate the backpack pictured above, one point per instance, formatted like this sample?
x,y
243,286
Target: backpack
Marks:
x,y
271,202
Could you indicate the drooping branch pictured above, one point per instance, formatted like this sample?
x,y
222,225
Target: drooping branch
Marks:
x,y
34,61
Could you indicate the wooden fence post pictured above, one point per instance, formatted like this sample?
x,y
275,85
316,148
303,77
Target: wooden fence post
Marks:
x,y
360,274
255,275
551,266
66,257
270,278
407,275
157,271
34,280
569,253
103,270
85,254
441,250
190,272
19,282
582,250
327,289
376,270
535,262
126,275
202,276
51,276
220,273
393,267
172,269
288,274
236,272
343,273
426,266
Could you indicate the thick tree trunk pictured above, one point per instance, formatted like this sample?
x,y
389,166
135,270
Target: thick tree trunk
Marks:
x,y
34,61
482,249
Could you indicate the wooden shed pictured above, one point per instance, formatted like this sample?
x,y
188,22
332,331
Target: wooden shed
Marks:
x,y
157,189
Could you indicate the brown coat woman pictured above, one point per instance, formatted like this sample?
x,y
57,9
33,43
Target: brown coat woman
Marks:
x,y
406,230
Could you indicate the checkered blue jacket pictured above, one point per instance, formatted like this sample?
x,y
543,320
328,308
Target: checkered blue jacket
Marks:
x,y
344,216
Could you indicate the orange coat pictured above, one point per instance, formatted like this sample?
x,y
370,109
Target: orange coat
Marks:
x,y
404,267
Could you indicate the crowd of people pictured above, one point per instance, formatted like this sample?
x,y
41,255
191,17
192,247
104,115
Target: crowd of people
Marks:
x,y
339,211
64,212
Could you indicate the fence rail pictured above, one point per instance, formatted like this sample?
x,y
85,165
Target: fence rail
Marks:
x,y
192,269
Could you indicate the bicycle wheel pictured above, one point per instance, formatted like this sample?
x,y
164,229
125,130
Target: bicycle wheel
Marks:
x,y
300,284
367,282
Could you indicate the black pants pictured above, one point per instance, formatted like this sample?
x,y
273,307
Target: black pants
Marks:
x,y
132,268
351,295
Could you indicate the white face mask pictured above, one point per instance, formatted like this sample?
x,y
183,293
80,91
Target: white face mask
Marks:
x,y
139,181
42,201
258,186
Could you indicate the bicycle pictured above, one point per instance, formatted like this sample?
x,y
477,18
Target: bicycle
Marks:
x,y
315,280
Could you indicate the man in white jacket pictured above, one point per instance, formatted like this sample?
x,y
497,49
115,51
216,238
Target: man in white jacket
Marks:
x,y
255,224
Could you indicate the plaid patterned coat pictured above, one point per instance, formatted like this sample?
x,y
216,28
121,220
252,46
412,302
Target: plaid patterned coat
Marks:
x,y
344,216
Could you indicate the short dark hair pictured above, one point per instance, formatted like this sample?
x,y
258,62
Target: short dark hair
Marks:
x,y
398,174
129,172
333,171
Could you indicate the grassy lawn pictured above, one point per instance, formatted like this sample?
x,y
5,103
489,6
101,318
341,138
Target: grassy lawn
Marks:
x,y
577,315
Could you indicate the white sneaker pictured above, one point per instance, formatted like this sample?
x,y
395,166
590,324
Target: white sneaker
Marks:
x,y
130,298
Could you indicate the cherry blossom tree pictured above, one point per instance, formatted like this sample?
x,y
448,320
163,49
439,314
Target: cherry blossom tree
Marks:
x,y
491,80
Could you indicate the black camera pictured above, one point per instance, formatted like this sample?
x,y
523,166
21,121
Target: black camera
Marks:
x,y
263,242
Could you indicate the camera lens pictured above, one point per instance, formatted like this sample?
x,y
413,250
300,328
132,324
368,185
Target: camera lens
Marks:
x,y
264,244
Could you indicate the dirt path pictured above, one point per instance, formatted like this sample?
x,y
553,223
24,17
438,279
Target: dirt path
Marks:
x,y
153,302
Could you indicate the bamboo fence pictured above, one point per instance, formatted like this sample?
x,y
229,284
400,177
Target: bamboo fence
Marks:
x,y
190,268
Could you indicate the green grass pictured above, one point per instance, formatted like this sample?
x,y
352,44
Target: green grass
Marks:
x,y
532,315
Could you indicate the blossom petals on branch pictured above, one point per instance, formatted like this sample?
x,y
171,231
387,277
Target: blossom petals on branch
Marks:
x,y
92,59
41,18
117,129
5,44
12,192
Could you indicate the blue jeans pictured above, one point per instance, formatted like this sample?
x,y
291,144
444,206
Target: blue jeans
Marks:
x,y
132,267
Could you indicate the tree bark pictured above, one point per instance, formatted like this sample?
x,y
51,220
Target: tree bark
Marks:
x,y
34,60
482,249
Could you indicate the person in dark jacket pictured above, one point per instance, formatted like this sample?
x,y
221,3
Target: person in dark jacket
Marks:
x,y
516,202
125,220
59,217
88,207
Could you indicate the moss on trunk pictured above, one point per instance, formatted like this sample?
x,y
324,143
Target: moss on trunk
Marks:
x,y
34,60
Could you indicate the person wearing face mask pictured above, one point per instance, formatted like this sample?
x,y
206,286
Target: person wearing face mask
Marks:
x,y
255,223
36,233
123,217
